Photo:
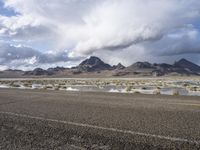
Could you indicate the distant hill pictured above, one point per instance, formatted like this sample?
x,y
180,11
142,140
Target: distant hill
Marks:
x,y
119,66
11,73
138,68
187,65
182,67
94,66
38,72
141,65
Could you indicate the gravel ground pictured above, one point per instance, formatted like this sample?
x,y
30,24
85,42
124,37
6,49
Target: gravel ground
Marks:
x,y
44,116
22,134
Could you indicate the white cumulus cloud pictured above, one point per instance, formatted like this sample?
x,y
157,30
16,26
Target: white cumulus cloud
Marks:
x,y
86,27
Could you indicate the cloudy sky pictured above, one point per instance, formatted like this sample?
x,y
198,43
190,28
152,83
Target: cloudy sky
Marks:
x,y
47,33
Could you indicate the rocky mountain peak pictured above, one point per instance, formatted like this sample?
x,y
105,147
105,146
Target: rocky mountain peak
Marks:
x,y
142,65
119,66
93,64
183,63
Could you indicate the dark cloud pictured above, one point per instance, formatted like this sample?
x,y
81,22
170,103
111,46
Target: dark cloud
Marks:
x,y
129,31
9,53
17,56
26,33
179,42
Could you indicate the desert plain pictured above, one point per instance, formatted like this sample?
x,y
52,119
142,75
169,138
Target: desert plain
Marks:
x,y
99,114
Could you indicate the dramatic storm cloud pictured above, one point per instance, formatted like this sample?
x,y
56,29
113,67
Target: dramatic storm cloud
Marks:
x,y
12,56
153,30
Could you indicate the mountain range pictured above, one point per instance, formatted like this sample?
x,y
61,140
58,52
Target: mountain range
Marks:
x,y
95,67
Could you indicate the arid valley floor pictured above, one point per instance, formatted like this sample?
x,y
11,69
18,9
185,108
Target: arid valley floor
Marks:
x,y
72,120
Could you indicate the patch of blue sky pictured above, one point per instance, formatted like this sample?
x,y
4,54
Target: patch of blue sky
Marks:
x,y
6,11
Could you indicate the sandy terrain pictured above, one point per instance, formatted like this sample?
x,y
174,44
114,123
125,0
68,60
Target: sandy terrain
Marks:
x,y
39,119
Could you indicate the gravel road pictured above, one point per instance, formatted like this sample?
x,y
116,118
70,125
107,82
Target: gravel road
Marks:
x,y
36,119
